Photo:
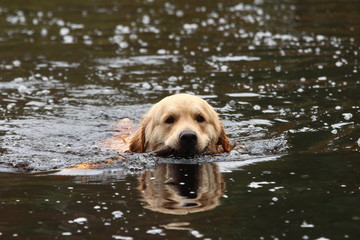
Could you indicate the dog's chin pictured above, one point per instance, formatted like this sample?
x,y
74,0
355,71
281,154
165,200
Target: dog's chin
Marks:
x,y
186,152
163,151
178,152
168,151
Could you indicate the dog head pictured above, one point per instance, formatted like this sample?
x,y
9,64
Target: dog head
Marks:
x,y
184,123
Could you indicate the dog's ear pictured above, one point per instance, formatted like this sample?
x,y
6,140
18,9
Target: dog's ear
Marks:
x,y
137,142
224,140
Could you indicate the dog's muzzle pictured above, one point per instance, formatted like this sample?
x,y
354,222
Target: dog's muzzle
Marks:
x,y
188,141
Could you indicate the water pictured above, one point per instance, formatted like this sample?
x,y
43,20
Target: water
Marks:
x,y
284,76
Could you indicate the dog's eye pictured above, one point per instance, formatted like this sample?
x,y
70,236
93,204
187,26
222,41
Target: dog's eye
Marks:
x,y
170,120
200,119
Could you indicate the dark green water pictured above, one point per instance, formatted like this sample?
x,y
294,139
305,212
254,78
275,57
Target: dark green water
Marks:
x,y
284,76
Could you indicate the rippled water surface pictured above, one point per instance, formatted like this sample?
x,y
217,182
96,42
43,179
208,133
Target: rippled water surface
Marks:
x,y
283,75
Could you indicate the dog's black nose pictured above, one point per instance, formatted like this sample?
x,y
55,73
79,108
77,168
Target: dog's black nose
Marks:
x,y
188,139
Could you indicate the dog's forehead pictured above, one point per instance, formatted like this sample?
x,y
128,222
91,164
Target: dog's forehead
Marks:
x,y
183,105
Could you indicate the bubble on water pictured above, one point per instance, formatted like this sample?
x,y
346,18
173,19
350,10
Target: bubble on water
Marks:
x,y
241,7
145,19
275,199
232,103
179,13
134,36
313,118
275,189
269,111
80,220
347,116
143,50
154,231
339,63
188,68
281,120
87,40
205,49
307,225
95,147
340,125
334,131
120,29
10,106
269,42
259,184
172,79
60,22
68,39
161,51
35,104
337,107
65,100
18,79
256,107
190,27
244,94
123,44
358,142
76,25
320,38
117,214
16,63
22,89
118,237
224,68
146,85
235,58
322,78
196,234
19,18
308,38
64,31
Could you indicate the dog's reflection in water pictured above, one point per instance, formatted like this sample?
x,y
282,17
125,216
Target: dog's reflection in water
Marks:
x,y
182,188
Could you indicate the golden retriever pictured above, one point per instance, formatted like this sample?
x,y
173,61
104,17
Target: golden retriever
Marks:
x,y
182,124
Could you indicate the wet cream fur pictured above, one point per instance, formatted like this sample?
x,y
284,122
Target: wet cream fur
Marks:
x,y
155,132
